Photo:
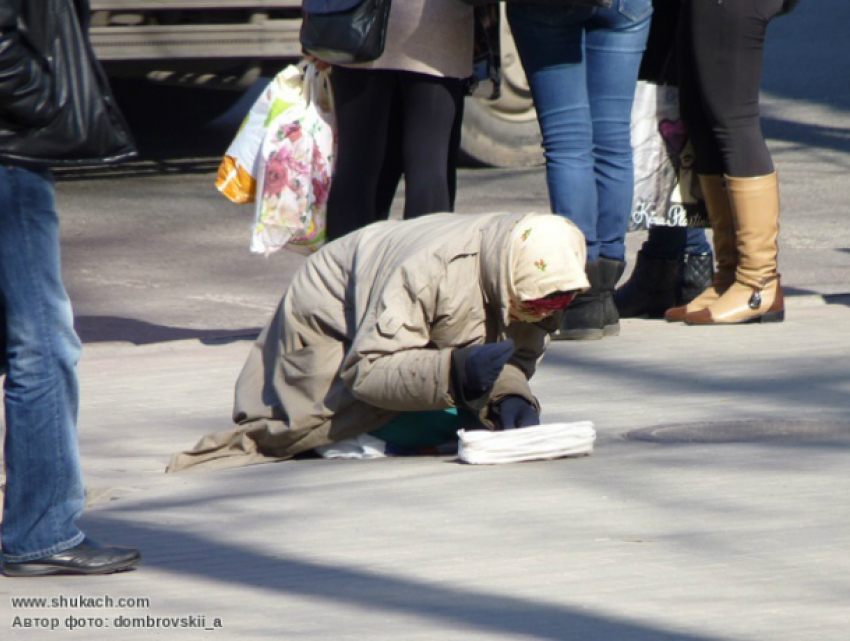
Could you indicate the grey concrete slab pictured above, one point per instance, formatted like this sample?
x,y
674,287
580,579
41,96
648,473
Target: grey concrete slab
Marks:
x,y
639,541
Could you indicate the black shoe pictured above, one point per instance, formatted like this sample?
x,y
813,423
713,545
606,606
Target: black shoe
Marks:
x,y
610,272
582,320
86,558
650,290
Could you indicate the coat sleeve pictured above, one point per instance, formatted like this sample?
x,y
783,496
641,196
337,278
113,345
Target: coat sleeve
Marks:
x,y
392,363
25,84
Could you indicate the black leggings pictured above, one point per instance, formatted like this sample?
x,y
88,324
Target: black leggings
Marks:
x,y
720,49
389,123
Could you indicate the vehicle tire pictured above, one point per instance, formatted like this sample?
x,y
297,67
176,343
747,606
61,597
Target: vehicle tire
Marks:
x,y
503,132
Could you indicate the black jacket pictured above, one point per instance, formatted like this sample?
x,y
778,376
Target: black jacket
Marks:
x,y
55,104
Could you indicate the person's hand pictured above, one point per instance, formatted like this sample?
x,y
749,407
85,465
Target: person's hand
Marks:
x,y
321,65
515,411
483,365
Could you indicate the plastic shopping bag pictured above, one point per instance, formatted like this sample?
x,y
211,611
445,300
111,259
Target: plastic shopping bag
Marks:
x,y
666,186
239,169
295,169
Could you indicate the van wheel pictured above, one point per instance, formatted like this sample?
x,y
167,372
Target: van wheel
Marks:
x,y
503,132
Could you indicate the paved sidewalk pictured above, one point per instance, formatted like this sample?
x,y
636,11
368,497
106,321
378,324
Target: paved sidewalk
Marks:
x,y
639,541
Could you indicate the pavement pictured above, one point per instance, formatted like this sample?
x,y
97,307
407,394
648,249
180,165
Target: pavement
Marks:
x,y
732,526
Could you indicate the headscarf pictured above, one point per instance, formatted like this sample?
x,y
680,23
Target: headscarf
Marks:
x,y
547,256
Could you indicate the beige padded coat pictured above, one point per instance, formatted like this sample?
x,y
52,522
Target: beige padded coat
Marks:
x,y
367,329
433,37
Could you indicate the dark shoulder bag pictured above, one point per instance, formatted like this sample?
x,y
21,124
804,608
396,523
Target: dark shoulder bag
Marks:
x,y
344,31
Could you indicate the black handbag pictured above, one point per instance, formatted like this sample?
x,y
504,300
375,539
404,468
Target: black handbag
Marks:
x,y
344,31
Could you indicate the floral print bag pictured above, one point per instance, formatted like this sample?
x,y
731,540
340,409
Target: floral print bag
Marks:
x,y
295,169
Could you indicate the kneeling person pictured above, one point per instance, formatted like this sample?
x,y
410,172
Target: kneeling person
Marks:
x,y
444,311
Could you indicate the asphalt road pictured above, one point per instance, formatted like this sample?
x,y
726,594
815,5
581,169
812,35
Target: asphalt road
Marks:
x,y
153,252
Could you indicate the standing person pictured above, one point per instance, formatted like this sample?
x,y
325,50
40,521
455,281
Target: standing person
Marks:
x,y
446,311
54,108
721,46
401,107
675,264
582,64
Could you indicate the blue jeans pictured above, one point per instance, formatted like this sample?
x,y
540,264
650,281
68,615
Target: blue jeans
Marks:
x,y
582,65
44,489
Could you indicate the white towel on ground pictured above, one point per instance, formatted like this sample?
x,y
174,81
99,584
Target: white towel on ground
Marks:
x,y
538,442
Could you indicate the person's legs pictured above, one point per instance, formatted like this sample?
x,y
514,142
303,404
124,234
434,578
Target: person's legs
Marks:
x,y
550,42
614,43
728,49
44,491
393,165
362,104
430,106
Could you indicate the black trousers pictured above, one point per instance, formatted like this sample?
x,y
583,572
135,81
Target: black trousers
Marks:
x,y
392,123
720,47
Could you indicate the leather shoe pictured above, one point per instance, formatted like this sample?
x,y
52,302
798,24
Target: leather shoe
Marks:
x,y
86,558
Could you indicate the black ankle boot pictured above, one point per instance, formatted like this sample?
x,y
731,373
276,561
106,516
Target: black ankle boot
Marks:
x,y
610,272
651,289
695,276
582,320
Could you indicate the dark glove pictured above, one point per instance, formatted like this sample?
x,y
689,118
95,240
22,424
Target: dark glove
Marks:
x,y
483,365
515,411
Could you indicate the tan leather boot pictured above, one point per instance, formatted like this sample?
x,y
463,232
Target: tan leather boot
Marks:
x,y
723,228
756,295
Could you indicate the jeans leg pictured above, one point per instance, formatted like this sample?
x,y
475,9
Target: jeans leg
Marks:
x,y
44,489
549,40
696,242
614,44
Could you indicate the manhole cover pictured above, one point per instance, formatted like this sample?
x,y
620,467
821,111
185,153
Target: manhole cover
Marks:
x,y
755,431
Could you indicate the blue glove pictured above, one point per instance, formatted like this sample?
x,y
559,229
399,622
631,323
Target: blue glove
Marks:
x,y
515,411
483,365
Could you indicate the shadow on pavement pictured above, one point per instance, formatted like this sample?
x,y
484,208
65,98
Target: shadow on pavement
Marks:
x,y
190,554
103,329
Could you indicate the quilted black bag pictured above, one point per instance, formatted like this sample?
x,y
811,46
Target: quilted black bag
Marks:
x,y
344,31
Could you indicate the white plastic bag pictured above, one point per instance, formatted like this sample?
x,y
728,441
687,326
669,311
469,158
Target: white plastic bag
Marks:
x,y
295,167
538,442
239,170
666,185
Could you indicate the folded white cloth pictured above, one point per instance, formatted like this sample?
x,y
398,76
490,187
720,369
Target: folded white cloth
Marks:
x,y
539,442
